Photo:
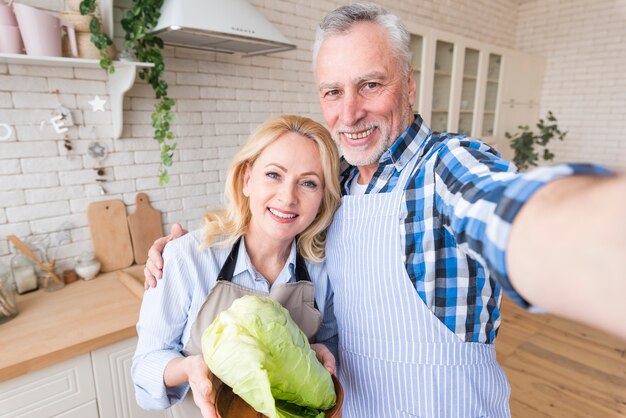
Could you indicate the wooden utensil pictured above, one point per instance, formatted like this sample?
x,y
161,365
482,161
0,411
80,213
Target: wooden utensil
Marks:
x,y
131,283
110,235
145,227
48,267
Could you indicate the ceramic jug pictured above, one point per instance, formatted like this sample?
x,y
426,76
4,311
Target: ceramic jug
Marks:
x,y
41,31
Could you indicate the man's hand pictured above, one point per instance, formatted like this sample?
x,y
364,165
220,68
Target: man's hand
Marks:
x,y
154,265
325,357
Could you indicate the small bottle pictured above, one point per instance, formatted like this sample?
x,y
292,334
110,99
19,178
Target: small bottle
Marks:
x,y
24,273
8,306
87,266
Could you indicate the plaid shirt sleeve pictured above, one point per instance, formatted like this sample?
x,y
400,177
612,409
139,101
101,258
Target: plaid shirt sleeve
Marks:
x,y
478,195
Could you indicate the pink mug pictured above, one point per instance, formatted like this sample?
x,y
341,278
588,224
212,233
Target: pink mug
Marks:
x,y
41,31
10,40
7,17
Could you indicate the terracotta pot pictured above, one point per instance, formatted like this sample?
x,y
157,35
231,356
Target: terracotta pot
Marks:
x,y
80,22
86,49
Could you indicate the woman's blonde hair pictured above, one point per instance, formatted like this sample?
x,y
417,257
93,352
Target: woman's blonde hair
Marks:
x,y
224,227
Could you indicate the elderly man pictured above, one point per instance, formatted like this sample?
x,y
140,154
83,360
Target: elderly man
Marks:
x,y
432,226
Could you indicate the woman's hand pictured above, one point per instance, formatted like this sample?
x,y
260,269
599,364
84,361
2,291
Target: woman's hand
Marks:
x,y
193,370
201,385
325,357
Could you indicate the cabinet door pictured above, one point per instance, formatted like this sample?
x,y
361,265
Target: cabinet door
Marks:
x,y
522,81
50,392
114,386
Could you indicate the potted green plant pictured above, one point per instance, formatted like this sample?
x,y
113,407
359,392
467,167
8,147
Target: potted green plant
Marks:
x,y
524,142
146,47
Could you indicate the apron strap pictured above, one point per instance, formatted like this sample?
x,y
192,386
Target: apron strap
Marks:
x,y
226,273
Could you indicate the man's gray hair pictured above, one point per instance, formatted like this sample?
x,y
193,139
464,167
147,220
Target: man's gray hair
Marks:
x,y
341,20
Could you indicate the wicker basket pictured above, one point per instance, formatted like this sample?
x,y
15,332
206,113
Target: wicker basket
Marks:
x,y
85,48
80,22
73,5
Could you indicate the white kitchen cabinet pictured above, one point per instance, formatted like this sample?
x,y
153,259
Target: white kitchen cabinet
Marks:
x,y
93,385
474,88
61,390
114,386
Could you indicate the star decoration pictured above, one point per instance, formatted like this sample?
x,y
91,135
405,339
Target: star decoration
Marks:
x,y
97,104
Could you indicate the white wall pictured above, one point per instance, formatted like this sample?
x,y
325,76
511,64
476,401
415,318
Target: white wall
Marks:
x,y
584,43
220,98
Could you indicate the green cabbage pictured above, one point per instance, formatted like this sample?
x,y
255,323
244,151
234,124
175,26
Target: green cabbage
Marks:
x,y
258,350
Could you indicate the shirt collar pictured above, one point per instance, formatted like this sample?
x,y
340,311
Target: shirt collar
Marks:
x,y
398,154
245,264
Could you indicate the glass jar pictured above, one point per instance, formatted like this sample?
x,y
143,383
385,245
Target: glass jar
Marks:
x,y
8,306
87,266
24,273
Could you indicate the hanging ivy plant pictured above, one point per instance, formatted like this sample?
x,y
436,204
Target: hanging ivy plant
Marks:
x,y
138,23
100,39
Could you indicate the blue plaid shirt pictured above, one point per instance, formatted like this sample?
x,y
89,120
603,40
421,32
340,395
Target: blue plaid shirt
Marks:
x,y
460,204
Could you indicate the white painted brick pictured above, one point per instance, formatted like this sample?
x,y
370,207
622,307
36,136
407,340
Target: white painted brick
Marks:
x,y
183,191
184,92
200,178
24,83
49,164
134,171
186,167
10,167
152,183
76,177
37,211
3,218
53,194
216,93
226,81
170,205
233,106
20,229
181,65
196,105
90,74
24,149
143,157
78,86
196,79
11,198
5,100
258,95
54,223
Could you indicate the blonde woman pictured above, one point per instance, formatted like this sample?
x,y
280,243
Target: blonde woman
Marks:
x,y
281,194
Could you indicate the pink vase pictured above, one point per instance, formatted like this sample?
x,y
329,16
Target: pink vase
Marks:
x,y
42,31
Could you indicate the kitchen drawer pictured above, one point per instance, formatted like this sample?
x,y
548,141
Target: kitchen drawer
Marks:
x,y
50,392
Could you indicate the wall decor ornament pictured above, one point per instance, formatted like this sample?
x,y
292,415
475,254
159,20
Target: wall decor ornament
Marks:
x,y
5,131
97,104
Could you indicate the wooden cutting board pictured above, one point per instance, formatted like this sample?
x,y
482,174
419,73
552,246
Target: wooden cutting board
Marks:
x,y
110,235
145,227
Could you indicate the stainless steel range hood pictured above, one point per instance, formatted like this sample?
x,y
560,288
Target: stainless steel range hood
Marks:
x,y
219,25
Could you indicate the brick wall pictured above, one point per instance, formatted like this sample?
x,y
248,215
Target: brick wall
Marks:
x,y
220,98
584,43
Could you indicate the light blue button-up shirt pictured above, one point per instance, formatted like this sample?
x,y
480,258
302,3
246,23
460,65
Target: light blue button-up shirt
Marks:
x,y
169,310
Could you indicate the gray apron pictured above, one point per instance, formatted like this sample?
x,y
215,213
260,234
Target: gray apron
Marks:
x,y
298,298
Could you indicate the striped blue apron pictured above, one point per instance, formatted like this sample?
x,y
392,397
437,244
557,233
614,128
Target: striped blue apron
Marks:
x,y
397,359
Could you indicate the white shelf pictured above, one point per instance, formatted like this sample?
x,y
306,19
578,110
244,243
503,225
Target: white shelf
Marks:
x,y
119,82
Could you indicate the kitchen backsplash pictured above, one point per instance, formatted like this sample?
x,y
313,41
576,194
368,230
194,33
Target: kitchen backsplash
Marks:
x,y
45,189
